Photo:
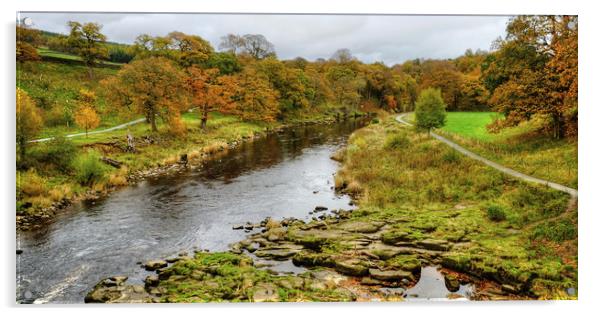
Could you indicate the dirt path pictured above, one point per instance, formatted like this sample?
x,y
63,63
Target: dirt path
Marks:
x,y
495,165
114,128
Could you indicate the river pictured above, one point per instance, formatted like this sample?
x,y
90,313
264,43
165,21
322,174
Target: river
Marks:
x,y
284,174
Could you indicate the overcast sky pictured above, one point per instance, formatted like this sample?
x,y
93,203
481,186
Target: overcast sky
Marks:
x,y
391,39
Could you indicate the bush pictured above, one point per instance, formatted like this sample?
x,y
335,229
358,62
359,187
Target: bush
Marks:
x,y
451,156
30,184
375,120
397,141
89,169
496,213
58,152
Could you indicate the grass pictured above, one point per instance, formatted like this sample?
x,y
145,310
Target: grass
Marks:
x,y
523,148
514,232
45,52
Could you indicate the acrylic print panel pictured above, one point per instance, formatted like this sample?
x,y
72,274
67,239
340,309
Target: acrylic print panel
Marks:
x,y
287,158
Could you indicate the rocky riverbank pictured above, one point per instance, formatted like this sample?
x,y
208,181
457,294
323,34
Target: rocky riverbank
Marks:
x,y
346,260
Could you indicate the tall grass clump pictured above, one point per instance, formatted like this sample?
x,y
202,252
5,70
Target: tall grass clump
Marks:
x,y
89,169
397,141
496,213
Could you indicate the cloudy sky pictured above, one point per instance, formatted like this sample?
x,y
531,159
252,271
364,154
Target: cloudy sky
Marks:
x,y
391,39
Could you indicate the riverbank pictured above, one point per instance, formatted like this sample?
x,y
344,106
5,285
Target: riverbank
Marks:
x,y
156,155
420,204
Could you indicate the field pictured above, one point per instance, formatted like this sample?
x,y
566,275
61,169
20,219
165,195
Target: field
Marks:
x,y
522,147
44,52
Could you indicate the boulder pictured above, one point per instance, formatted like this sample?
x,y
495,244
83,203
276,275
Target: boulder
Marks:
x,y
310,259
320,208
451,283
155,265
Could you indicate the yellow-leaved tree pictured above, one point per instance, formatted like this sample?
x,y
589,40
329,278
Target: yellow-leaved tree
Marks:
x,y
29,121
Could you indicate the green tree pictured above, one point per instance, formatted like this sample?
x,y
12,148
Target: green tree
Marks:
x,y
430,109
87,41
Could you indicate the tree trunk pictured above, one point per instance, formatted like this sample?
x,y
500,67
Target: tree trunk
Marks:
x,y
153,121
205,116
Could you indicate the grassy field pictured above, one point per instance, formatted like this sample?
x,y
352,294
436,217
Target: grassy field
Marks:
x,y
44,52
521,147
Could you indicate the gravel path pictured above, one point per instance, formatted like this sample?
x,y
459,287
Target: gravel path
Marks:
x,y
121,126
495,165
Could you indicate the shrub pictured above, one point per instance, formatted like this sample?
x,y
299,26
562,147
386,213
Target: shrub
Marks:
x,y
451,156
397,141
375,120
30,184
496,213
58,152
89,169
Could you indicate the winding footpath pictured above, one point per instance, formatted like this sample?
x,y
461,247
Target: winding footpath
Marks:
x,y
121,126
495,165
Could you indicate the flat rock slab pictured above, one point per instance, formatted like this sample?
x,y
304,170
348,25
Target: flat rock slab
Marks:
x,y
434,244
390,275
361,227
353,267
383,251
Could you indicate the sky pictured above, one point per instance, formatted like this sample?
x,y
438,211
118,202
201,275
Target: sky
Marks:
x,y
389,39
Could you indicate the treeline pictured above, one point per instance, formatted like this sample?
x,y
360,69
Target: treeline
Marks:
x,y
533,71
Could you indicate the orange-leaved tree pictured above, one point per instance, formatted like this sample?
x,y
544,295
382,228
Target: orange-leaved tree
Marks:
x,y
254,99
153,87
210,91
87,118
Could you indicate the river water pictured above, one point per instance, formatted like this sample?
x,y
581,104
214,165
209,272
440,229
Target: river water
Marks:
x,y
285,174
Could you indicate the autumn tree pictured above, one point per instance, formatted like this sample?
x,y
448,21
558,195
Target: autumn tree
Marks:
x,y
343,56
153,87
430,109
534,71
88,43
26,52
210,91
86,116
29,121
29,35
254,99
442,74
192,49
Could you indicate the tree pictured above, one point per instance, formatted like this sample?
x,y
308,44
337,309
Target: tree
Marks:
x,y
210,92
152,87
534,72
29,35
430,109
254,99
26,52
192,49
87,118
346,85
443,75
343,56
87,41
255,45
29,121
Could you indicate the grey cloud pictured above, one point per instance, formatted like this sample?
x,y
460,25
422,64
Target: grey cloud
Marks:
x,y
391,39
